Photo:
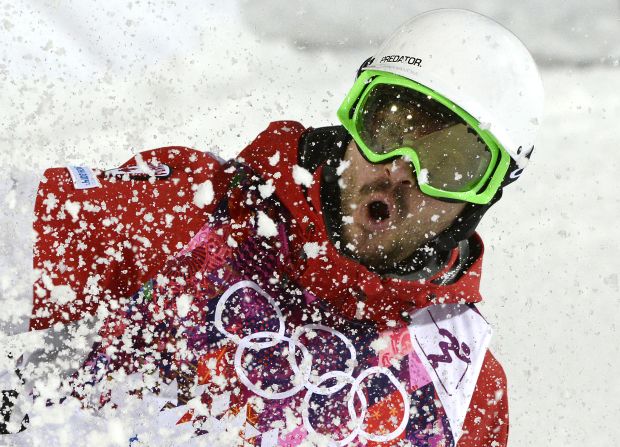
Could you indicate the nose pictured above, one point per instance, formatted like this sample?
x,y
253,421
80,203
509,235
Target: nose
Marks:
x,y
399,171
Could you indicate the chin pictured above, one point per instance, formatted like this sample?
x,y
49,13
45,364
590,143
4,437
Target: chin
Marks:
x,y
372,256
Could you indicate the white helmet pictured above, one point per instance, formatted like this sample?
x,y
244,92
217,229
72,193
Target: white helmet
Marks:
x,y
477,64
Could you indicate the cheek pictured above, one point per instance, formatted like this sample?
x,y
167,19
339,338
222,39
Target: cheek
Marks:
x,y
446,215
418,204
347,185
453,210
433,213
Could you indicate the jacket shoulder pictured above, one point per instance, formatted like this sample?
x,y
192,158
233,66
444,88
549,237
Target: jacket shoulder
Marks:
x,y
101,233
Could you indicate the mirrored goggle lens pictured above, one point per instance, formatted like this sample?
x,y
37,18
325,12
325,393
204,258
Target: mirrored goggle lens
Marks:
x,y
451,154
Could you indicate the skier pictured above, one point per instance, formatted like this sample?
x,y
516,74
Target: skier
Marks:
x,y
321,285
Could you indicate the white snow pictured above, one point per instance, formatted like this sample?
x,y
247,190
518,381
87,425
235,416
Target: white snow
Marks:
x,y
50,202
184,303
380,344
73,208
274,159
266,227
62,294
314,249
423,176
344,164
143,165
82,94
266,189
203,194
302,176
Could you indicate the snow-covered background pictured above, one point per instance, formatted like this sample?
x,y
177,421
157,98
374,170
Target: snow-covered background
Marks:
x,y
93,82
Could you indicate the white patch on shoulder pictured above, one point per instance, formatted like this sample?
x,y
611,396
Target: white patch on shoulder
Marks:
x,y
83,177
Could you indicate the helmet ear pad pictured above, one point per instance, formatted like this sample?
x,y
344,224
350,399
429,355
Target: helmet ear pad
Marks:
x,y
323,146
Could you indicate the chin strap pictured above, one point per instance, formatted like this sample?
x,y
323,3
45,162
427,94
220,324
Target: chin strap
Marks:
x,y
464,226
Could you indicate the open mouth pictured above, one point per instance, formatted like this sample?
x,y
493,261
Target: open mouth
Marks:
x,y
378,210
376,214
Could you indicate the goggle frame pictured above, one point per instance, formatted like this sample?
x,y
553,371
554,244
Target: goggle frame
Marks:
x,y
482,192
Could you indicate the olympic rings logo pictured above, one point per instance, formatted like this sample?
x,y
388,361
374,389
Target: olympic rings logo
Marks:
x,y
303,371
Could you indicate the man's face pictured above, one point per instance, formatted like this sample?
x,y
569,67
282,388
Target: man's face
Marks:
x,y
386,217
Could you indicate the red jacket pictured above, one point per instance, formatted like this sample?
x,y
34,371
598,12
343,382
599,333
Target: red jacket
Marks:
x,y
110,246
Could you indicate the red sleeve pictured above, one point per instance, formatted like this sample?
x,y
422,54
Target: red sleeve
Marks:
x,y
97,243
486,423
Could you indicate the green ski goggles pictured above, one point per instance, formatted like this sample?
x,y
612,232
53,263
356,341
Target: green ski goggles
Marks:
x,y
391,116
